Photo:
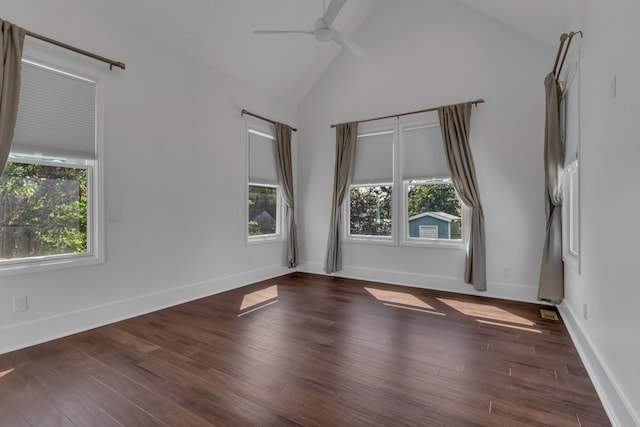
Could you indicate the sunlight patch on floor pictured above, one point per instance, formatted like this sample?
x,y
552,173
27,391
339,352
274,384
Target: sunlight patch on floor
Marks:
x,y
396,297
413,309
506,325
258,299
7,372
257,308
486,311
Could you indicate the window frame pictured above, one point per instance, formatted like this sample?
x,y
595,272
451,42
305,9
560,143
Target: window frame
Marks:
x,y
399,203
264,238
365,238
278,236
46,57
570,117
370,130
459,244
426,242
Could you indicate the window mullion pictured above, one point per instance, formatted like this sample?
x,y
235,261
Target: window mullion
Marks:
x,y
397,212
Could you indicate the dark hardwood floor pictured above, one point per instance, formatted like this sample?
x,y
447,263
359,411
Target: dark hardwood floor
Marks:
x,y
309,350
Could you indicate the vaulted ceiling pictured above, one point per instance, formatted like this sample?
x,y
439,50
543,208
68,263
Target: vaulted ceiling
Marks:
x,y
220,32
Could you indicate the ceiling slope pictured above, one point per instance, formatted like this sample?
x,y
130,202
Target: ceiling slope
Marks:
x,y
220,32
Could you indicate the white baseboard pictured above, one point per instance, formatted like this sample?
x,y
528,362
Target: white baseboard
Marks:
x,y
618,407
21,335
500,290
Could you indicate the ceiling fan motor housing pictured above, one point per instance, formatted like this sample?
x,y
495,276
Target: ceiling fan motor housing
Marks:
x,y
321,31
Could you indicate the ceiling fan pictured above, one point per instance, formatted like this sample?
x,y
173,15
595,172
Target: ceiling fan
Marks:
x,y
323,31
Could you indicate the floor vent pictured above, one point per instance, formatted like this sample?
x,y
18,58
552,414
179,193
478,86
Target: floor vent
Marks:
x,y
549,314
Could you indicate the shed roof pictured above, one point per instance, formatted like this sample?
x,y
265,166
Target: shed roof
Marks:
x,y
438,215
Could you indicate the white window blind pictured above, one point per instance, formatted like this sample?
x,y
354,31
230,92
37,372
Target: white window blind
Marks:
x,y
262,159
56,114
423,153
570,118
374,159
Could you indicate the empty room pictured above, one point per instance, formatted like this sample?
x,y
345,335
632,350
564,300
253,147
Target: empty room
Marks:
x,y
319,213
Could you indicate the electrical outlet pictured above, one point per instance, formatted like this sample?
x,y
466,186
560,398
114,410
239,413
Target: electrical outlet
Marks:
x,y
584,311
505,270
614,86
19,303
115,216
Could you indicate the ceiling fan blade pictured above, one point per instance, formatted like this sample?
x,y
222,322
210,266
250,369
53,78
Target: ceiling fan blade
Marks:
x,y
349,44
332,11
281,32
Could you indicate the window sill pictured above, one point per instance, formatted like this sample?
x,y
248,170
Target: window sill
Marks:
x,y
10,268
389,241
439,244
263,240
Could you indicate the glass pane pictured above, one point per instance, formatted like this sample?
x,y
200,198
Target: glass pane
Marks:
x,y
370,211
434,211
43,210
263,207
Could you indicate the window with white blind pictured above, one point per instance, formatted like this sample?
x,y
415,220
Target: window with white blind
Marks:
x,y
570,134
432,210
50,189
370,203
401,189
263,193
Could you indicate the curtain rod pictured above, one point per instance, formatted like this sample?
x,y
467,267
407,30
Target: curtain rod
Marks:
x,y
263,118
563,38
111,62
476,102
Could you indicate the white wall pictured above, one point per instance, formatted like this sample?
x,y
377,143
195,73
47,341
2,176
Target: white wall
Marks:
x,y
174,167
608,282
420,55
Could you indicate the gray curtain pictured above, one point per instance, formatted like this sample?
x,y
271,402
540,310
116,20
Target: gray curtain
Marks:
x,y
551,286
455,122
346,136
12,38
284,168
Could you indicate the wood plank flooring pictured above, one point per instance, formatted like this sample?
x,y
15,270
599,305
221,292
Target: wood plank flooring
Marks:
x,y
308,350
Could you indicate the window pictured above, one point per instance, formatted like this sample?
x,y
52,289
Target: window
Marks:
x,y
401,181
570,134
433,210
263,210
264,198
44,210
49,190
370,210
371,193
